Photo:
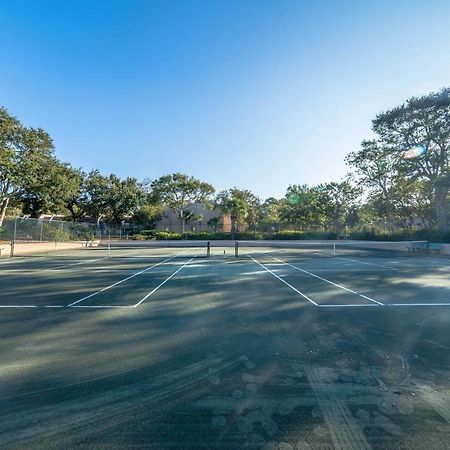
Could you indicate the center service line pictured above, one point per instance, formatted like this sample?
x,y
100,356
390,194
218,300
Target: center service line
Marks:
x,y
121,281
327,281
70,265
161,284
283,281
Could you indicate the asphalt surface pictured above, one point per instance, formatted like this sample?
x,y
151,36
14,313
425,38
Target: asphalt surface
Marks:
x,y
225,353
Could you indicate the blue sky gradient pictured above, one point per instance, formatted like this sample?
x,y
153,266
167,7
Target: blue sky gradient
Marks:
x,y
254,94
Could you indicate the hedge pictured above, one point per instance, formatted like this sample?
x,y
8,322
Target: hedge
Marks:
x,y
402,235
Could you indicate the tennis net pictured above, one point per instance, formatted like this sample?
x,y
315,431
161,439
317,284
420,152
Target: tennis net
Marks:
x,y
111,249
310,249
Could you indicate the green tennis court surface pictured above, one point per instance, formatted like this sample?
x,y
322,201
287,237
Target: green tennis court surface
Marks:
x,y
285,346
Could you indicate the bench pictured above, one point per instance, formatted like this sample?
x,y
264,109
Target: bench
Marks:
x,y
424,247
434,248
418,247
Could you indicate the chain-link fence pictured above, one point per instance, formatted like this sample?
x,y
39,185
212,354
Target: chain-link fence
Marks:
x,y
15,229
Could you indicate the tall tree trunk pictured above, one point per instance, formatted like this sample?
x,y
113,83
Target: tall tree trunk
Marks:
x,y
183,223
389,211
440,204
233,218
3,206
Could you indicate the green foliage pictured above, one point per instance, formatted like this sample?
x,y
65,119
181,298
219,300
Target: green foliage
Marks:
x,y
243,206
214,223
404,235
168,235
384,192
271,210
25,155
177,191
148,214
50,191
157,235
422,121
113,198
208,235
304,235
323,207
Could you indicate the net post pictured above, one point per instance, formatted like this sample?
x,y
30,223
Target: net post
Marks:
x,y
236,249
334,248
208,249
109,245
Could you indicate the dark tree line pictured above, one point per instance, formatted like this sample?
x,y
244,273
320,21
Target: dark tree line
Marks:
x,y
382,187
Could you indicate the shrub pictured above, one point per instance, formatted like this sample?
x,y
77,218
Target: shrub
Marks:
x,y
208,235
139,237
167,235
148,233
303,235
420,234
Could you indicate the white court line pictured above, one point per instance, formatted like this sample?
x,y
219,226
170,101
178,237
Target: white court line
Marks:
x,y
121,281
327,281
69,265
368,263
283,281
19,306
17,260
5,262
418,304
32,306
161,284
103,306
348,306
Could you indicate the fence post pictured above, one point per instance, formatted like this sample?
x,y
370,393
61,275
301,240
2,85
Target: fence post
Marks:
x,y
13,242
41,231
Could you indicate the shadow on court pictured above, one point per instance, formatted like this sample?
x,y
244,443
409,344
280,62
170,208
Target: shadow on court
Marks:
x,y
225,355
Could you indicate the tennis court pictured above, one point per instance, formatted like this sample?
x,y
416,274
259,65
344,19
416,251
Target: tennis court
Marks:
x,y
127,274
260,345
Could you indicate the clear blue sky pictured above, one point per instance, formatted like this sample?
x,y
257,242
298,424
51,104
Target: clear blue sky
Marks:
x,y
255,94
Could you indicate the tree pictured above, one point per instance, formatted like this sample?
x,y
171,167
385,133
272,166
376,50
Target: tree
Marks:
x,y
23,154
302,208
214,223
50,190
242,205
422,121
413,199
376,169
77,199
148,214
337,203
270,210
113,198
177,191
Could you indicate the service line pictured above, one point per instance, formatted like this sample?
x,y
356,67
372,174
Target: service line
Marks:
x,y
326,281
283,281
121,281
367,263
69,265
